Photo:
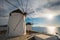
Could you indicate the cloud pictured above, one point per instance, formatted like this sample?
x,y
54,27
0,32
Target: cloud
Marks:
x,y
44,13
41,7
32,4
4,20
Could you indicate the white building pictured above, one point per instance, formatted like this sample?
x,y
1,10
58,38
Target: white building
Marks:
x,y
16,23
28,26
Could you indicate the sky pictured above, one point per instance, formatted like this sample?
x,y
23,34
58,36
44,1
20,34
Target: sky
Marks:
x,y
40,12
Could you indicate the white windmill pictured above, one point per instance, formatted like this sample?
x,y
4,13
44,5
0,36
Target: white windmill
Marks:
x,y
29,26
16,24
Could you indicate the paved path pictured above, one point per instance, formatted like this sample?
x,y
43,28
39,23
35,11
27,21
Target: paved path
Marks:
x,y
25,37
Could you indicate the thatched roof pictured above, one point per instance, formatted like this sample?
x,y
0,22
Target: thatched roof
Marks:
x,y
28,23
18,11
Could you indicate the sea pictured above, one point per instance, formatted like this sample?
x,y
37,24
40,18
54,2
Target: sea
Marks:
x,y
47,30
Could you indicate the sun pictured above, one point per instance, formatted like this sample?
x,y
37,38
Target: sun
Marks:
x,y
49,16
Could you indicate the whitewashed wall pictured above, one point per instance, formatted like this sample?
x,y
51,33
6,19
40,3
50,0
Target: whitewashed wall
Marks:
x,y
13,21
28,27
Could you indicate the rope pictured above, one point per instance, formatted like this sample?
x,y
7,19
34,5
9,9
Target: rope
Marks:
x,y
22,5
26,5
19,4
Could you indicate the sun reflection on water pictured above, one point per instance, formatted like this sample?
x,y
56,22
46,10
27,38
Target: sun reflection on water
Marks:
x,y
51,30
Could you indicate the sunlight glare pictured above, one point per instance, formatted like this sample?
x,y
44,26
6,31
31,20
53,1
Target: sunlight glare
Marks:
x,y
49,16
51,30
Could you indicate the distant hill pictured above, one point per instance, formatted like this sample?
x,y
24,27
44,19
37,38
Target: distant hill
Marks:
x,y
3,25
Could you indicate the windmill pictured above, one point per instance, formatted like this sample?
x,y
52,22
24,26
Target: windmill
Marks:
x,y
16,22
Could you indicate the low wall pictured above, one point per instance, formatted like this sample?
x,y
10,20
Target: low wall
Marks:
x,y
50,38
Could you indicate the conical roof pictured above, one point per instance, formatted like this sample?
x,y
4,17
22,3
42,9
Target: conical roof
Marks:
x,y
16,11
28,23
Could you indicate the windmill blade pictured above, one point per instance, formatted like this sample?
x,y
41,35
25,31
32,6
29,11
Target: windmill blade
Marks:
x,y
30,12
20,4
26,6
11,4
